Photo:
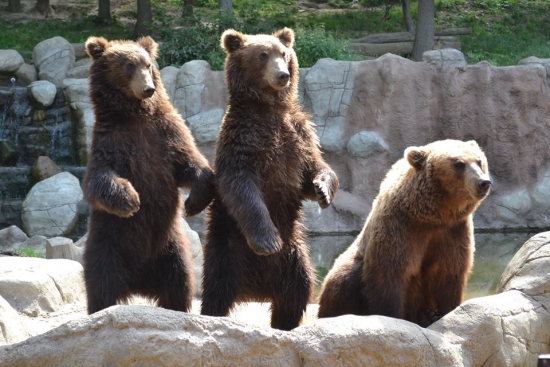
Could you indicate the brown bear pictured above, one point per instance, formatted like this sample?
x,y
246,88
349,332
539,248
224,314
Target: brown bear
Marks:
x,y
267,161
414,255
141,153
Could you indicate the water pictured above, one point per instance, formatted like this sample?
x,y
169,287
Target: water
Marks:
x,y
493,253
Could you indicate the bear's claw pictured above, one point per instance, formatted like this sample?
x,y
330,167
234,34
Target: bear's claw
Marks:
x,y
324,187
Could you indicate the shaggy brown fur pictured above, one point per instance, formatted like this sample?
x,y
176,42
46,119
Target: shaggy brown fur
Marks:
x,y
415,251
141,153
267,161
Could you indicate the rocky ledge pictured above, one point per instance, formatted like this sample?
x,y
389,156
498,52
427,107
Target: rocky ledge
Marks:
x,y
507,329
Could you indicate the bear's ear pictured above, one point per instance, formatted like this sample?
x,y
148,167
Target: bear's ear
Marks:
x,y
96,46
286,36
232,40
473,143
149,45
416,156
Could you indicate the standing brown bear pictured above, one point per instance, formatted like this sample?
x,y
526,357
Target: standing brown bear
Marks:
x,y
415,252
141,153
267,161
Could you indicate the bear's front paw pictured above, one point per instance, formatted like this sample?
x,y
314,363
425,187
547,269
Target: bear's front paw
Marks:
x,y
325,184
427,316
127,204
266,243
201,194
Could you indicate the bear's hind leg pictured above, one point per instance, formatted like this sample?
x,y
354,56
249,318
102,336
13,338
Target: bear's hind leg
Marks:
x,y
341,293
221,279
171,280
294,294
105,278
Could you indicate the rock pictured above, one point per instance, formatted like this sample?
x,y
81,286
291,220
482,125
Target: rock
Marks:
x,y
44,168
42,93
10,237
50,207
445,58
53,58
26,74
78,71
365,143
10,61
79,51
82,241
169,76
13,327
205,126
76,91
329,84
63,248
540,191
196,252
514,205
508,329
528,269
9,154
35,286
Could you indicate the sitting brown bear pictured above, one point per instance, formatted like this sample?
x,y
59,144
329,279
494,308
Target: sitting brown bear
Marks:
x,y
267,161
141,153
415,251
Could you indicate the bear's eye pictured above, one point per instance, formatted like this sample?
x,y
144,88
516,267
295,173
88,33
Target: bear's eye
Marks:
x,y
459,165
480,164
284,55
263,56
130,67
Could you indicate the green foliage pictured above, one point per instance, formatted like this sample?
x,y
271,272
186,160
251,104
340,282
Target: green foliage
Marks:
x,y
29,252
314,44
22,37
503,31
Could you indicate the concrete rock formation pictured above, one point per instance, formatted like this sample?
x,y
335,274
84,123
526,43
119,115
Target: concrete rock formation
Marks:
x,y
507,329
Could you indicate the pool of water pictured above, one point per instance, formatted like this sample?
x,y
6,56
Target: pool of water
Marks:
x,y
493,253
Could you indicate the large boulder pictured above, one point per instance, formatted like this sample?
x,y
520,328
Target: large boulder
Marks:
x,y
42,92
53,58
36,287
10,61
76,91
50,206
12,325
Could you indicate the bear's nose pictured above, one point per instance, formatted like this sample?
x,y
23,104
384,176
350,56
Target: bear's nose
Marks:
x,y
484,184
148,91
283,76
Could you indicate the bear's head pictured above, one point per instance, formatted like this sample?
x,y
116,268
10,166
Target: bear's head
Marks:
x,y
458,169
123,66
261,67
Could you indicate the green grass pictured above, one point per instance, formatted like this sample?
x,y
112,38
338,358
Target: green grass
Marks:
x,y
24,36
29,252
504,31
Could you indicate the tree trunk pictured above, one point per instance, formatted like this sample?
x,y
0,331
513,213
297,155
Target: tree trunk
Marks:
x,y
424,38
43,7
104,10
226,6
144,18
409,24
14,6
187,8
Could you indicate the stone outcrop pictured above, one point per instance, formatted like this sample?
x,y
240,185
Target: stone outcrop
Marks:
x,y
42,92
53,58
50,207
507,329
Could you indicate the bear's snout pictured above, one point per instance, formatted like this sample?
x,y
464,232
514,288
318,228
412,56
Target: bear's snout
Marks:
x,y
148,91
283,77
483,186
